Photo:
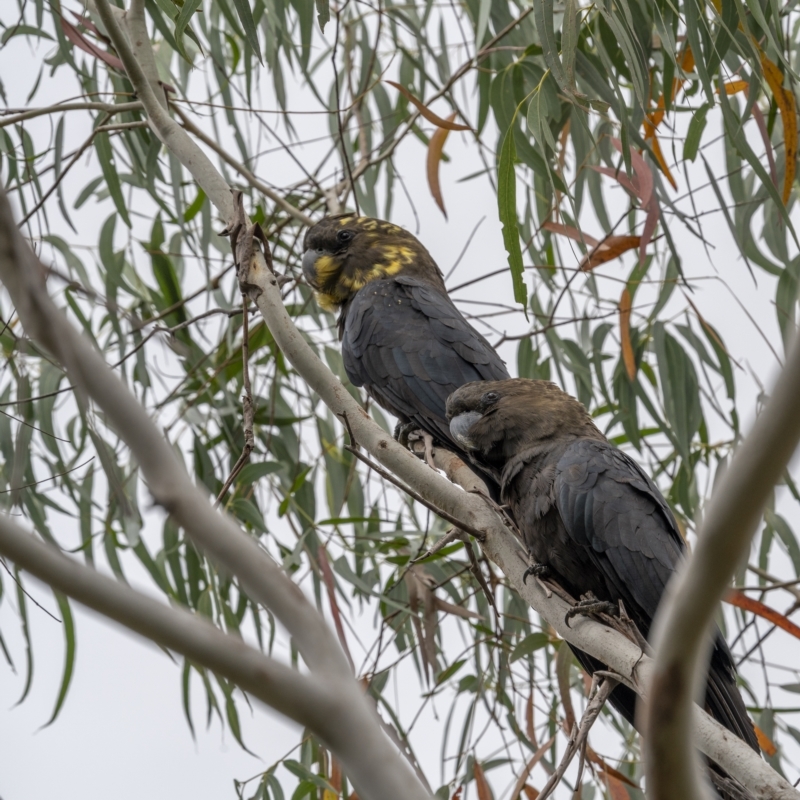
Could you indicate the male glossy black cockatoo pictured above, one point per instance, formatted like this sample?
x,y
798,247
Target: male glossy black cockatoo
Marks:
x,y
591,518
403,340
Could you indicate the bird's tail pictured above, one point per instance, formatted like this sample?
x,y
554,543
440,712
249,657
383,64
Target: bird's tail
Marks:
x,y
723,703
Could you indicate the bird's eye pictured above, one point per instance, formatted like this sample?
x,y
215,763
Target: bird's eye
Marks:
x,y
490,397
344,236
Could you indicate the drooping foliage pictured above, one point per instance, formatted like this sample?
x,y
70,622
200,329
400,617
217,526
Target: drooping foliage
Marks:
x,y
618,137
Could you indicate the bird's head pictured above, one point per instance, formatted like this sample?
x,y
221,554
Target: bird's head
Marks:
x,y
345,252
495,420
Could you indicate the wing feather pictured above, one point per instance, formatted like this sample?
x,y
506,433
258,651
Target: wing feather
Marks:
x,y
410,348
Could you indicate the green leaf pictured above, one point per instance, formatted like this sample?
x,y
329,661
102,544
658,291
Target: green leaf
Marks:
x,y
543,12
69,653
187,10
323,13
696,128
253,473
450,671
569,40
23,30
246,511
105,155
530,644
507,208
679,387
245,15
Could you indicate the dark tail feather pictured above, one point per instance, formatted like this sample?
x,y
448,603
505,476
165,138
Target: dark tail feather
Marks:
x,y
723,703
723,699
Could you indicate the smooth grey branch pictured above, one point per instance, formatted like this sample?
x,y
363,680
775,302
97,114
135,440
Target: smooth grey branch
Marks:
x,y
681,629
500,545
175,139
369,759
299,697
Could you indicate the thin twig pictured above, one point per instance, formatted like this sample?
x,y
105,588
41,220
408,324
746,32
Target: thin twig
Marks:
x,y
579,734
480,535
248,406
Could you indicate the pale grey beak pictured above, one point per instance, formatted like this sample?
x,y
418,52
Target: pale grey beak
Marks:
x,y
309,259
460,427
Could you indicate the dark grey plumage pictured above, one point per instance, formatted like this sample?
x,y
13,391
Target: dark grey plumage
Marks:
x,y
403,339
588,512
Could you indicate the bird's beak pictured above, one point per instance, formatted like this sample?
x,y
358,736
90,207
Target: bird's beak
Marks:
x,y
309,261
460,427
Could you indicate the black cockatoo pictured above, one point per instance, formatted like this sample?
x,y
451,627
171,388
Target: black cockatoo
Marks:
x,y
403,340
591,518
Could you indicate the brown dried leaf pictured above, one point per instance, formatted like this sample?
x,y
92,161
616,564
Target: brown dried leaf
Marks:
x,y
427,113
563,662
481,784
330,586
80,41
610,248
530,792
570,232
644,177
435,147
625,334
607,769
529,728
616,788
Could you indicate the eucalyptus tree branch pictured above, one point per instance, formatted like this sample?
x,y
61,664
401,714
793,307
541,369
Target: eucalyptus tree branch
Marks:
x,y
257,184
109,108
297,696
136,26
175,139
681,629
500,544
374,766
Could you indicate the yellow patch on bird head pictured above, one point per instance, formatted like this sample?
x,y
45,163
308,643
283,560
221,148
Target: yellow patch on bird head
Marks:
x,y
354,251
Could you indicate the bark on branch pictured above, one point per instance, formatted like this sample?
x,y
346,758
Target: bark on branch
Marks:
x,y
681,629
369,759
500,544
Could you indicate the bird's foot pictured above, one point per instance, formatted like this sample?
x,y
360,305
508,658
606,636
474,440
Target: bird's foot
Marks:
x,y
589,605
410,435
537,570
403,430
428,441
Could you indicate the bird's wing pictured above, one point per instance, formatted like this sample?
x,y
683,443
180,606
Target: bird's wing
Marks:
x,y
614,511
409,347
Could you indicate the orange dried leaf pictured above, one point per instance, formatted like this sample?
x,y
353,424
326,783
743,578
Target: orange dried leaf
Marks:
x,y
572,233
435,147
787,106
625,334
530,792
741,600
732,87
764,742
610,248
481,784
662,162
426,112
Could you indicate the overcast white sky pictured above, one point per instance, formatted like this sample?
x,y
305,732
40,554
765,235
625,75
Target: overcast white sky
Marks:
x,y
122,732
